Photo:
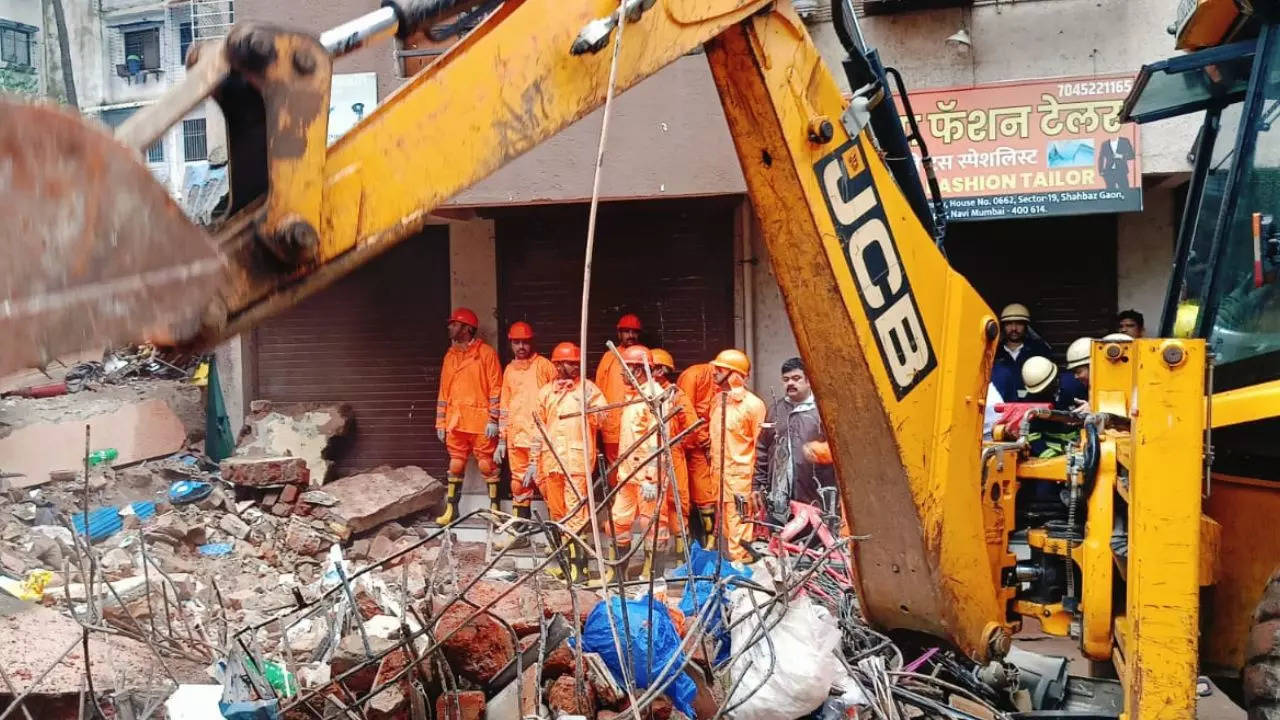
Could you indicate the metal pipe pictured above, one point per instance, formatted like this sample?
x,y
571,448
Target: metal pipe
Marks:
x,y
355,34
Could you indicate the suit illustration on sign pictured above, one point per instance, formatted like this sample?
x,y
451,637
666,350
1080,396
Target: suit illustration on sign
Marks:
x,y
1113,162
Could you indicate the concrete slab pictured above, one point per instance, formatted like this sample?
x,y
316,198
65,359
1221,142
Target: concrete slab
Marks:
x,y
138,431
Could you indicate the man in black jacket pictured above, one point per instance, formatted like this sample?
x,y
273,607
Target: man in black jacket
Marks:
x,y
782,473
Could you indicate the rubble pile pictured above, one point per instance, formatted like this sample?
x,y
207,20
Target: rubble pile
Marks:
x,y
261,587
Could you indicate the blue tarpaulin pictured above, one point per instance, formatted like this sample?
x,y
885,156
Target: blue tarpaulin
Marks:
x,y
706,563
597,637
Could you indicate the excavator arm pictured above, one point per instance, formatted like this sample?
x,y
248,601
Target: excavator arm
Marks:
x,y
897,344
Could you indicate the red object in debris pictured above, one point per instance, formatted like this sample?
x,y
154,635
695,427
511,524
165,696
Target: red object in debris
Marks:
x,y
40,391
466,705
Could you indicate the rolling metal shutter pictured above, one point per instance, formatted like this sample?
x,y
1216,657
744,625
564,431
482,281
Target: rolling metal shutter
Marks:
x,y
374,340
668,261
1063,269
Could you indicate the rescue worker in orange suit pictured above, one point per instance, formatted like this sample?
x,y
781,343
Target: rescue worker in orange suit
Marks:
x,y
737,416
467,408
523,377
636,503
664,372
699,385
610,381
563,483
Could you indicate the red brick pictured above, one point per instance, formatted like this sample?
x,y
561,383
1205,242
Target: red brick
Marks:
x,y
466,705
479,649
559,662
563,698
281,510
264,471
289,494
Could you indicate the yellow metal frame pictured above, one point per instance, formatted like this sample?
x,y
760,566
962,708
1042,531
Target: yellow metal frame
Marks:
x,y
1159,630
904,428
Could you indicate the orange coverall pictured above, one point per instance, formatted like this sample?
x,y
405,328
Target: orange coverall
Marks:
x,y
470,381
685,419
521,381
700,387
556,398
629,502
742,416
614,386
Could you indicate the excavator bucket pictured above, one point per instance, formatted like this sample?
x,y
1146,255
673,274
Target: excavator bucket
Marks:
x,y
95,249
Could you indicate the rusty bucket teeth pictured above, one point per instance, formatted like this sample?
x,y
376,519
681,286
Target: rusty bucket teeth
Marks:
x,y
96,251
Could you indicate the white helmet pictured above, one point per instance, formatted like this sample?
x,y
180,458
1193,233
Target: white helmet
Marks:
x,y
1078,352
1118,337
1037,373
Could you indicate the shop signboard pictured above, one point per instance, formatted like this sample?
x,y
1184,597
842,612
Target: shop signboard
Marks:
x,y
1032,148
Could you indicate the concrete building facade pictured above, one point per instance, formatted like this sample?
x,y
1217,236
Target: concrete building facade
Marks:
x,y
124,55
671,181
22,47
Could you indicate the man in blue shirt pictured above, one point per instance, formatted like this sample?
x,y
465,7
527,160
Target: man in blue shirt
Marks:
x,y
1018,343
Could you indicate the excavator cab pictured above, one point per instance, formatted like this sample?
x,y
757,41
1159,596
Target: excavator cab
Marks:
x,y
1225,288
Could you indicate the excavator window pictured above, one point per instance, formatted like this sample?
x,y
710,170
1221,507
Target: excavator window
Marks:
x,y
1225,286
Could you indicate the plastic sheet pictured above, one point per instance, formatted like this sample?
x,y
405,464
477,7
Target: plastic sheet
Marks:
x,y
791,673
704,563
597,637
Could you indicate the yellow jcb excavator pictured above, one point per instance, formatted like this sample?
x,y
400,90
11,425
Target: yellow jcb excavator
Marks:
x,y
1124,543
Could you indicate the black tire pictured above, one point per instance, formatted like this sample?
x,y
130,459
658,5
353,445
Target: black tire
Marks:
x,y
1260,678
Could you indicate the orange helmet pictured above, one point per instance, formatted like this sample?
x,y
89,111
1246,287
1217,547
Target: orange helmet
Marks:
x,y
734,360
629,322
663,358
520,330
566,352
464,316
636,355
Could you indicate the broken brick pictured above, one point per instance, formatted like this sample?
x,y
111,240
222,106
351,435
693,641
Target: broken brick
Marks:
x,y
302,539
264,471
563,698
281,510
478,649
465,705
350,655
373,498
559,662
289,494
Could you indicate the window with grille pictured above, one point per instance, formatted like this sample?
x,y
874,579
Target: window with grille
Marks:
x,y
184,40
143,45
15,46
194,144
155,153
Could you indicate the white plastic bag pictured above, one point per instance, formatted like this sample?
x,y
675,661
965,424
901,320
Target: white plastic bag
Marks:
x,y
795,675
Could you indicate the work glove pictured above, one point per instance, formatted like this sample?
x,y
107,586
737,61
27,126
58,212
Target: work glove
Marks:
x,y
440,434
530,476
649,491
500,452
491,430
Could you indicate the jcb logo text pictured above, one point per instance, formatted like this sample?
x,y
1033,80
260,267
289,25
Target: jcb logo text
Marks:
x,y
876,267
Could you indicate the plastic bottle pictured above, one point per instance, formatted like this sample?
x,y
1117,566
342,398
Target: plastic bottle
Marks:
x,y
98,457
